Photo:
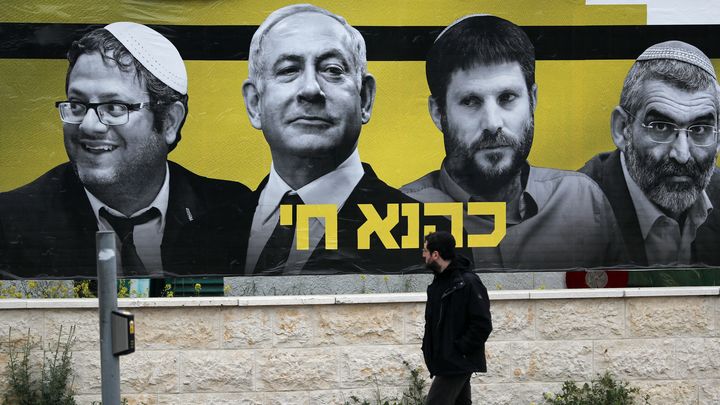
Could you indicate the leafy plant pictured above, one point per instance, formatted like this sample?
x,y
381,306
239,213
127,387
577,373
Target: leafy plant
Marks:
x,y
54,385
604,390
414,394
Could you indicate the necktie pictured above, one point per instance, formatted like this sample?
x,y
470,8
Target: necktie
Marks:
x,y
275,254
131,263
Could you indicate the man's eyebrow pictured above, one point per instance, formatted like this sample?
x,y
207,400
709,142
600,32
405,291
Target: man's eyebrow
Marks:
x,y
657,115
287,57
333,53
102,96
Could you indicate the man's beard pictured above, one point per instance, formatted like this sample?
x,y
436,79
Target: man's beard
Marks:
x,y
126,176
463,163
651,174
434,266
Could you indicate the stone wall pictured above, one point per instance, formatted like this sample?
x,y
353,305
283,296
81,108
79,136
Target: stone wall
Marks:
x,y
322,349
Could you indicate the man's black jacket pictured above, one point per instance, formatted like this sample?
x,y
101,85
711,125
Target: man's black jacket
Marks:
x,y
457,321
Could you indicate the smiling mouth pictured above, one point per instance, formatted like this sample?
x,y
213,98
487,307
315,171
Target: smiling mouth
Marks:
x,y
98,148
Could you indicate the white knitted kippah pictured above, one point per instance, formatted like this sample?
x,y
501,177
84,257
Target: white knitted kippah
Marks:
x,y
154,51
678,50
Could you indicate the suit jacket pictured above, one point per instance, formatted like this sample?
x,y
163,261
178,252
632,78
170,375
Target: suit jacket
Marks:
x,y
47,227
606,170
378,259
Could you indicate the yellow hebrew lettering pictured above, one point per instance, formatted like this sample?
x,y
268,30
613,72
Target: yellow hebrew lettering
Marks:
x,y
497,210
453,210
379,226
286,214
305,212
412,239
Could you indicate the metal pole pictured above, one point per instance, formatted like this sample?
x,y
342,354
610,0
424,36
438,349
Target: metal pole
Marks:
x,y
107,264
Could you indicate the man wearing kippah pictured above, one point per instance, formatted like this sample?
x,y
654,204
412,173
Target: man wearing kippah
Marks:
x,y
126,103
661,180
481,74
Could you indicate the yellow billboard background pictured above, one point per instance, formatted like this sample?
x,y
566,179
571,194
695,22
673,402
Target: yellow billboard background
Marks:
x,y
400,142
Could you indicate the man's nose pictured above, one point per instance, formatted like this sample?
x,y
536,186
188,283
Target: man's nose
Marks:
x,y
492,118
310,88
91,123
680,148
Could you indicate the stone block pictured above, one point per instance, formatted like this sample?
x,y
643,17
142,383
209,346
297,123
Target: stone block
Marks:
x,y
293,326
296,369
245,327
88,399
368,366
668,317
147,371
511,394
86,322
580,319
678,392
697,358
22,322
709,392
4,363
414,323
636,358
216,371
512,320
359,324
537,361
86,365
326,397
236,398
175,328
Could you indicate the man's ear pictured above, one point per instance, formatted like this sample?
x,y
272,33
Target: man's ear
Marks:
x,y
173,119
534,96
251,95
367,97
435,112
620,127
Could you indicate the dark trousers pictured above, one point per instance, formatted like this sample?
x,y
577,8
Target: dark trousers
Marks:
x,y
450,390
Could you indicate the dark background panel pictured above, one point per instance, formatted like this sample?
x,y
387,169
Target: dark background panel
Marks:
x,y
221,42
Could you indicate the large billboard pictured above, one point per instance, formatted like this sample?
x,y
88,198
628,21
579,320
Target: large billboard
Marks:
x,y
545,136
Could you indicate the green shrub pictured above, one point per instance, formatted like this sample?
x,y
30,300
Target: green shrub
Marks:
x,y
51,384
604,390
414,394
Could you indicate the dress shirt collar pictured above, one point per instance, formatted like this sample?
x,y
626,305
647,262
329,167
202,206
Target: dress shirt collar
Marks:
x,y
647,212
160,202
332,188
534,197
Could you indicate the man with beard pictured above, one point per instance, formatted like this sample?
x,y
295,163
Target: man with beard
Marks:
x,y
126,103
457,322
660,178
481,74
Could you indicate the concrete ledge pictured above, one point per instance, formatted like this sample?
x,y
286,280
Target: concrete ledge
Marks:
x,y
284,300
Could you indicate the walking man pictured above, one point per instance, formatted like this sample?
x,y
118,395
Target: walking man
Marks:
x,y
457,322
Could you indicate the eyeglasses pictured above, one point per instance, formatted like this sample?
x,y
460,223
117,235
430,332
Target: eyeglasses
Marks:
x,y
667,132
73,112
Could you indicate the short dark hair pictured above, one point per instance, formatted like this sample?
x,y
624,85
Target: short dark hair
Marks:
x,y
105,43
477,40
441,242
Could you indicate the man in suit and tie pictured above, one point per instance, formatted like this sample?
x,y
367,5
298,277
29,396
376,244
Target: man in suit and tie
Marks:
x,y
126,103
309,92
